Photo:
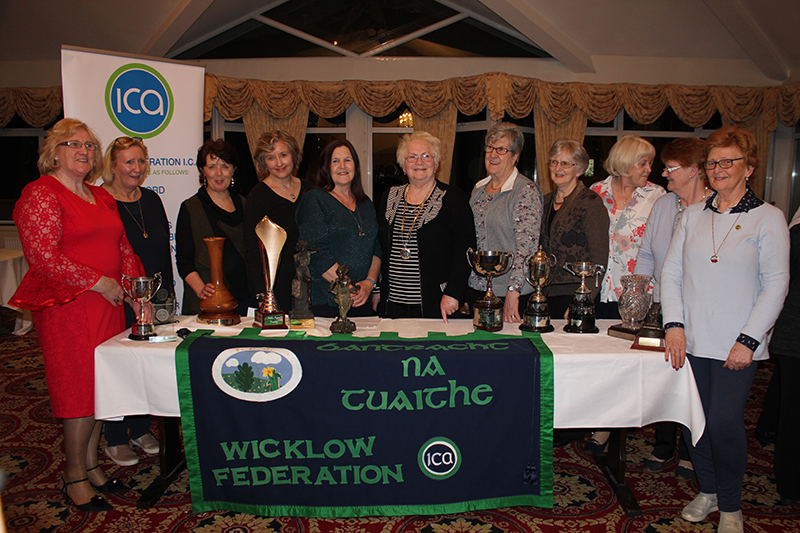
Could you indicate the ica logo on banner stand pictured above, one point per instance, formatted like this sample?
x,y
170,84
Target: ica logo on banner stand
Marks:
x,y
139,100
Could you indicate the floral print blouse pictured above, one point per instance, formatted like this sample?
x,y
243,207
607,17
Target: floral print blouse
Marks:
x,y
625,232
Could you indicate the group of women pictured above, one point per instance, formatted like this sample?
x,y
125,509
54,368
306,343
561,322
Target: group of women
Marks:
x,y
718,256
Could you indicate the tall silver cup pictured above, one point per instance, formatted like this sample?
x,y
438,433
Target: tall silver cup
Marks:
x,y
489,309
537,315
581,310
142,290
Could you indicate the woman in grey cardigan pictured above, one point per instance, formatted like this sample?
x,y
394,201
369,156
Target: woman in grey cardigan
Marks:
x,y
508,212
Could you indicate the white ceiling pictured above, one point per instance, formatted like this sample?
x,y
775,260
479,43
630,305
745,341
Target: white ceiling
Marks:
x,y
574,32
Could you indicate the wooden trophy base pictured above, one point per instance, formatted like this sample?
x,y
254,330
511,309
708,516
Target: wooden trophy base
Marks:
x,y
649,338
276,320
623,332
226,319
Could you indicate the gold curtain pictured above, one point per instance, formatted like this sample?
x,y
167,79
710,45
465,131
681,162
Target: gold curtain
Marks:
x,y
756,108
256,122
548,132
442,126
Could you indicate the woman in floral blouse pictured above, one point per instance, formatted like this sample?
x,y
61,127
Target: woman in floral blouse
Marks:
x,y
628,197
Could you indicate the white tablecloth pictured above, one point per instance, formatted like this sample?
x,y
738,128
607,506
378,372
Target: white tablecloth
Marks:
x,y
599,381
13,267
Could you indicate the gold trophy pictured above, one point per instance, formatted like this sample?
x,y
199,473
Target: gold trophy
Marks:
x,y
142,290
489,309
271,237
537,315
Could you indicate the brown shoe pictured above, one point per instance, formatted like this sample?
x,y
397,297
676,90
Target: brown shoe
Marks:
x,y
122,455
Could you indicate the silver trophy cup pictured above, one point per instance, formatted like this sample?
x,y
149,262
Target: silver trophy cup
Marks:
x,y
489,309
141,289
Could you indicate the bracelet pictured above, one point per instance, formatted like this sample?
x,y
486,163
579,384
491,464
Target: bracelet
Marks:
x,y
371,281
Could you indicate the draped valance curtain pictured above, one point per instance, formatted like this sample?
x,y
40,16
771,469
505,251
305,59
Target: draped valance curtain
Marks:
x,y
560,109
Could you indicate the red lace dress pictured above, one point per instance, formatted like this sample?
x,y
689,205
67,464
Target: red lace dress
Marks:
x,y
69,244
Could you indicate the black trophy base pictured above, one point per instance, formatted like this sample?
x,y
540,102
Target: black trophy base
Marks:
x,y
343,326
264,320
536,323
488,315
142,332
581,324
623,332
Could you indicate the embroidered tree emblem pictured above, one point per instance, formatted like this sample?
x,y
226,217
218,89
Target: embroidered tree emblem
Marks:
x,y
244,376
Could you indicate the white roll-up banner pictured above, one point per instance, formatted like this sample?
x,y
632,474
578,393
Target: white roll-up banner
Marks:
x,y
159,101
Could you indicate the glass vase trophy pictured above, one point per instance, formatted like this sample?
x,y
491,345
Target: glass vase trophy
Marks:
x,y
634,302
582,314
489,309
272,238
537,315
141,289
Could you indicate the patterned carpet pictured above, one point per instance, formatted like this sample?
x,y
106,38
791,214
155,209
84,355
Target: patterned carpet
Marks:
x,y
30,454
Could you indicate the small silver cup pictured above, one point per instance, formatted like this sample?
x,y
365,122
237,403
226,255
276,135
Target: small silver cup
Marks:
x,y
141,289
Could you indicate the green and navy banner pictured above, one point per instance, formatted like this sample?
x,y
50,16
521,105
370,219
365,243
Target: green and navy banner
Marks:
x,y
342,426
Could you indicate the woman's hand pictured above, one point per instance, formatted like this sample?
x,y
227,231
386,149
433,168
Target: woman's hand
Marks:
x,y
675,347
149,310
109,289
739,358
206,291
511,308
364,291
448,305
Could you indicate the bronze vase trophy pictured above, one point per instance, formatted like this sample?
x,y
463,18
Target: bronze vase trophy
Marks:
x,y
489,309
633,303
582,314
218,309
142,290
536,317
272,238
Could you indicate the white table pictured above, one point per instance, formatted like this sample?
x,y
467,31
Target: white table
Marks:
x,y
599,381
13,267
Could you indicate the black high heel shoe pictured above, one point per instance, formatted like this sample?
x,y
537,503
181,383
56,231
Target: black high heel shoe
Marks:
x,y
96,504
112,486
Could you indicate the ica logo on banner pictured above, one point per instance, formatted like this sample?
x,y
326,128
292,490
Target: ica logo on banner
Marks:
x,y
139,100
439,458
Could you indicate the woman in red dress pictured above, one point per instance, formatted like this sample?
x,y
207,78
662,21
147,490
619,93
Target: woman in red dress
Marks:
x,y
77,251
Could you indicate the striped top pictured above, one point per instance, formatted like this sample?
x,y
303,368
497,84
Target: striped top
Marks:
x,y
404,278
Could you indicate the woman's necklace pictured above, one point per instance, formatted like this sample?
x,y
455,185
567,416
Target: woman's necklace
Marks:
x,y
358,221
405,251
141,215
679,202
287,190
715,257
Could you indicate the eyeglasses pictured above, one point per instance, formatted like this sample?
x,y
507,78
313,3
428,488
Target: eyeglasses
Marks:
x,y
670,170
76,145
425,158
563,164
723,163
122,141
497,149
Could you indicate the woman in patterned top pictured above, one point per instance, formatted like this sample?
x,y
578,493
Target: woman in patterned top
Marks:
x,y
629,197
425,229
508,212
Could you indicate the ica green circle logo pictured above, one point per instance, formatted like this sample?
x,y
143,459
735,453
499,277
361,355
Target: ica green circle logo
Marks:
x,y
439,458
139,100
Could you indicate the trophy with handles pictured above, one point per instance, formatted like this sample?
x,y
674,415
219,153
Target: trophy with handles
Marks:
x,y
489,309
536,317
142,289
272,238
582,314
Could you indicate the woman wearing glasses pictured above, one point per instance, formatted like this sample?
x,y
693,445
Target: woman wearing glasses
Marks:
x,y
215,211
337,219
507,208
575,225
75,245
723,284
125,167
425,229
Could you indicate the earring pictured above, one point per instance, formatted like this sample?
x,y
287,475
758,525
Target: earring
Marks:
x,y
233,182
55,161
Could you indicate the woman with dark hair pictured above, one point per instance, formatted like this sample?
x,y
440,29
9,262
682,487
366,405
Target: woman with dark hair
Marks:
x,y
215,211
75,244
338,220
686,180
426,229
723,284
276,196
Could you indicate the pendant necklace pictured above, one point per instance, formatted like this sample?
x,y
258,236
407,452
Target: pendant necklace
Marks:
x,y
405,251
141,226
358,221
715,257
